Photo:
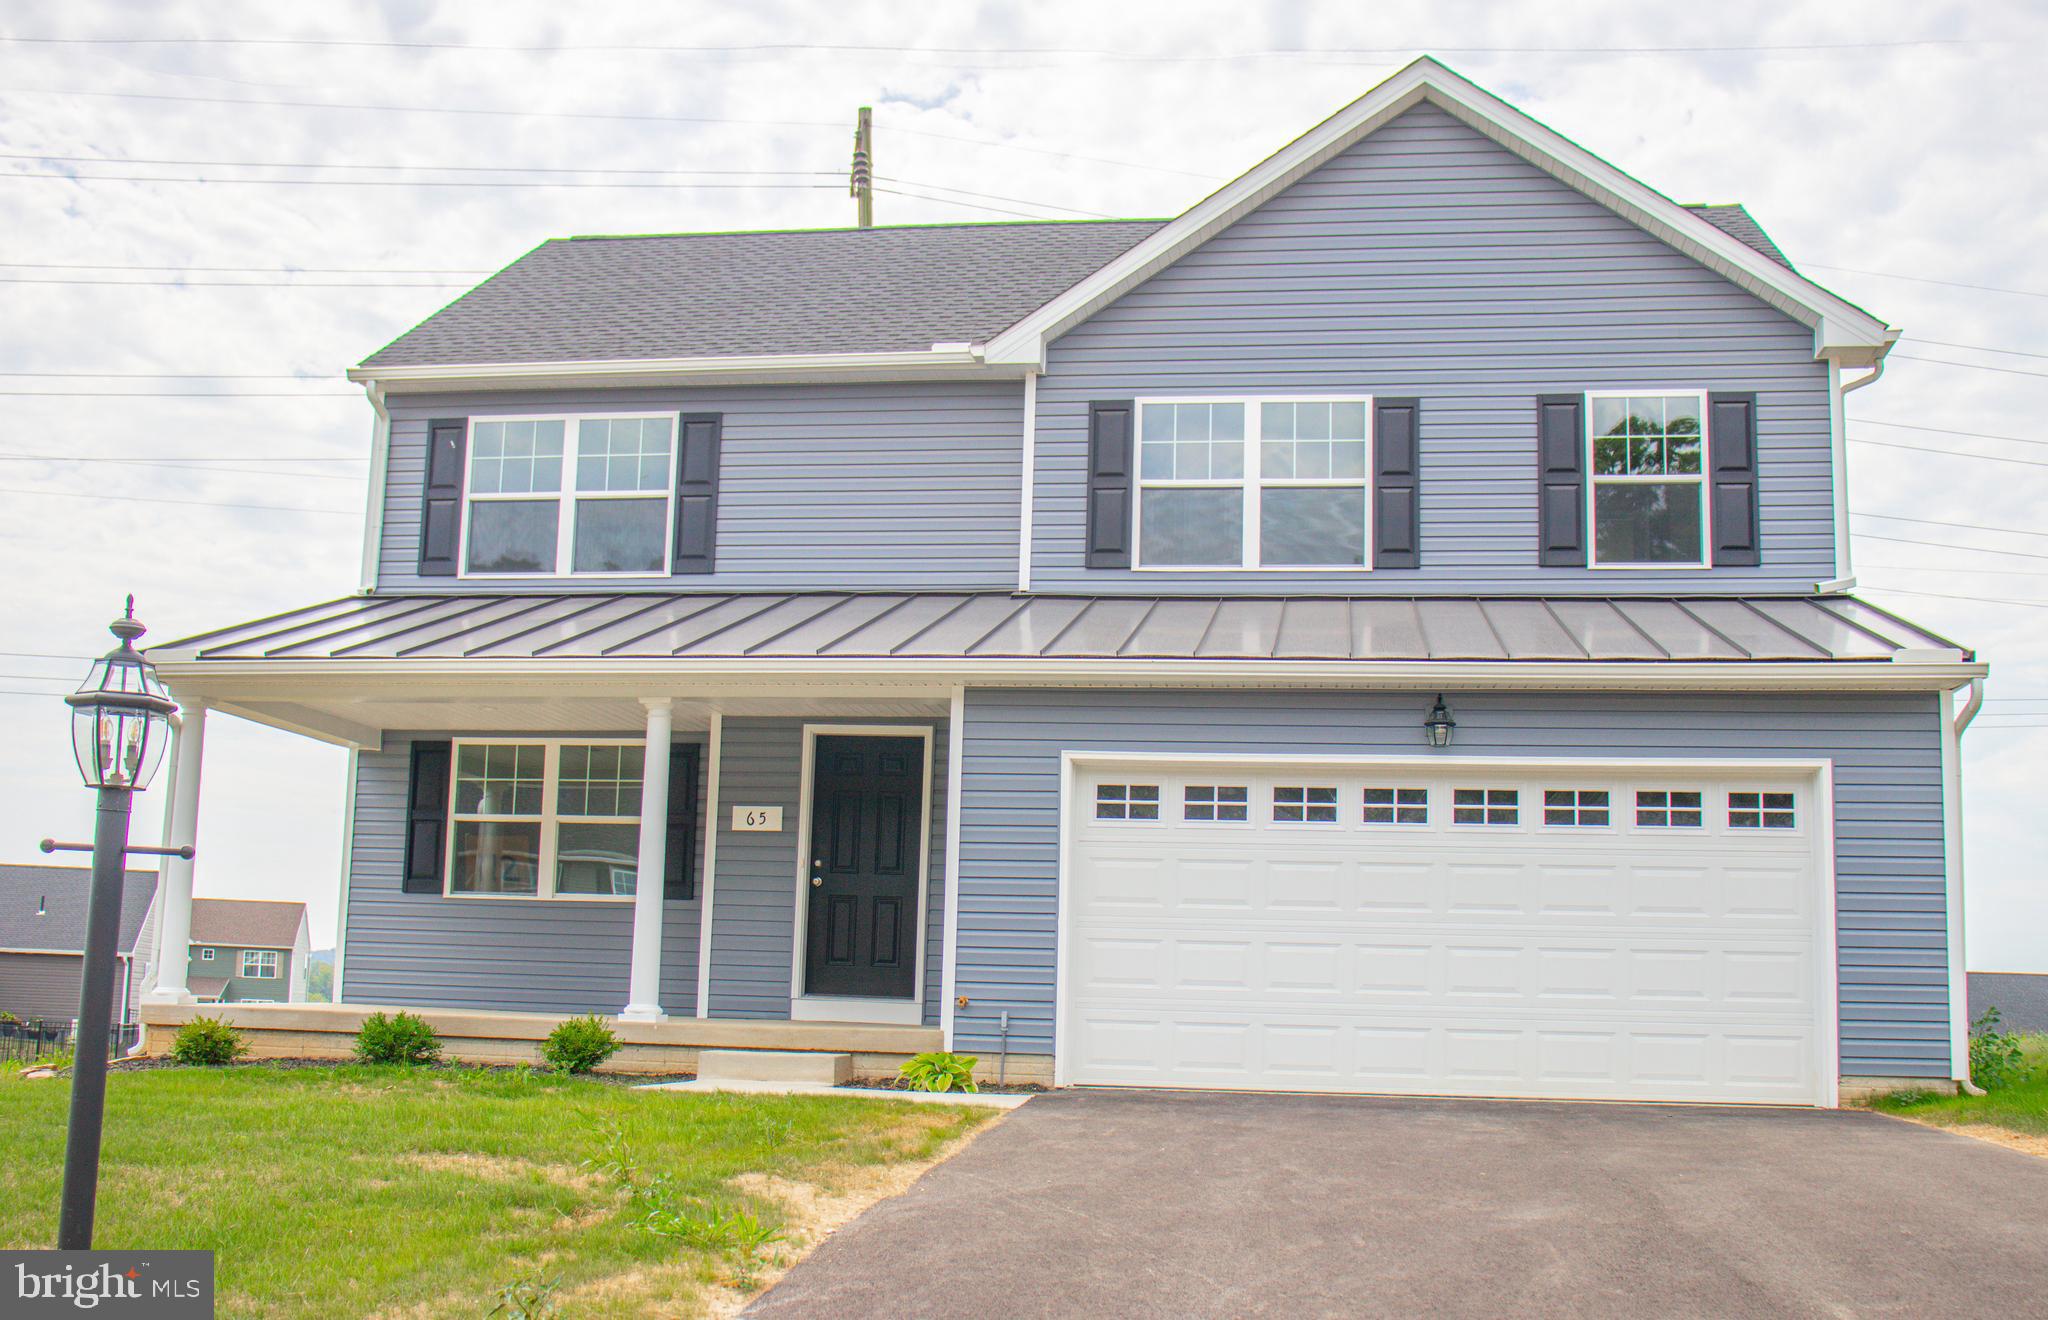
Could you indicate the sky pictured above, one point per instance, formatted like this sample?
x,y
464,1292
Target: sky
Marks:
x,y
211,210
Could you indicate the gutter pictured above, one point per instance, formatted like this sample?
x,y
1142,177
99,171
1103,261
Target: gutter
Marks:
x,y
938,361
373,514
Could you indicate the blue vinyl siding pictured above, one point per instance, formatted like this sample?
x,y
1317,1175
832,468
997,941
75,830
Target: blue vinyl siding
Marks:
x,y
1429,261
908,485
553,956
1890,877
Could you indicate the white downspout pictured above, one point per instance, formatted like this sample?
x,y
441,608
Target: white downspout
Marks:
x,y
1838,422
373,516
1028,469
1953,726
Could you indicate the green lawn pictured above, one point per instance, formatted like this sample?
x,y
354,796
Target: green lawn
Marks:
x,y
2022,1107
376,1190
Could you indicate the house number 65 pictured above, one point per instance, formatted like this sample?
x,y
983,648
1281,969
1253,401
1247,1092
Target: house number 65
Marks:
x,y
765,820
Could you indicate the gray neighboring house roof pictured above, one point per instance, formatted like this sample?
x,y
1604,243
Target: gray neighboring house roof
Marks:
x,y
250,923
886,290
949,625
900,289
2021,998
43,907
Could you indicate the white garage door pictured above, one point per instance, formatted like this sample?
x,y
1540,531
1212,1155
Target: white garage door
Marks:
x,y
1509,931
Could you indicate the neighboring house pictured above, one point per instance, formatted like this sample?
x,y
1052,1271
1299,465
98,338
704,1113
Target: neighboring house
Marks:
x,y
42,940
1024,634
248,951
2021,999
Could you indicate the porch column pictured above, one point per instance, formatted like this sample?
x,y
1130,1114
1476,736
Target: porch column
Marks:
x,y
643,990
174,874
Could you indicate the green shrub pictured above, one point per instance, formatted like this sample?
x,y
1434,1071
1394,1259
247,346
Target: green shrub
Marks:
x,y
1996,1057
206,1042
579,1044
397,1038
941,1072
528,1297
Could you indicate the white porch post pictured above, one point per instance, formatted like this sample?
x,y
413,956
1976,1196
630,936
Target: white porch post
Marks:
x,y
644,985
174,876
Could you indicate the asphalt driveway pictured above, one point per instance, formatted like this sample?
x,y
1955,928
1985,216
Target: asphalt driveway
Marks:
x,y
1183,1204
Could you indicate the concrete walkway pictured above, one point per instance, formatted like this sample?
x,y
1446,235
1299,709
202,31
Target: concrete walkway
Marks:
x,y
1183,1204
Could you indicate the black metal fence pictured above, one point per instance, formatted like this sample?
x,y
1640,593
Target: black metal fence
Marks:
x,y
40,1038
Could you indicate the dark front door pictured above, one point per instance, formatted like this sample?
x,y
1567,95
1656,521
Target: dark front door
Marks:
x,y
867,814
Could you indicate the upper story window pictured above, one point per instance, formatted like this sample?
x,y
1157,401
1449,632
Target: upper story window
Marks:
x,y
1253,483
575,495
258,964
1648,496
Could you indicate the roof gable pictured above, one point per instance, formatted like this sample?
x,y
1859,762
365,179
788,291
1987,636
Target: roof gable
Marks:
x,y
250,923
43,907
1842,331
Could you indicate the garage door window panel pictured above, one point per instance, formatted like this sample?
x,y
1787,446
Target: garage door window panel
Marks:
x,y
1669,809
1760,810
1127,802
1486,806
1299,804
1216,804
1396,806
1576,807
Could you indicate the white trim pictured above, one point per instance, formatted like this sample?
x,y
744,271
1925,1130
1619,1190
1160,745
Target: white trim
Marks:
x,y
1842,331
949,943
734,370
1838,449
1698,480
1953,722
550,820
708,880
800,918
566,496
1252,483
373,516
348,846
852,1008
1820,772
1028,479
242,972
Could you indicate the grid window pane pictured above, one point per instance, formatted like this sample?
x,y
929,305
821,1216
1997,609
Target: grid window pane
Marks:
x,y
1192,527
622,453
1192,442
1312,525
516,457
1575,807
512,536
499,779
1305,805
1766,811
1127,802
600,781
1397,806
1668,809
596,859
1216,802
621,536
496,857
1486,806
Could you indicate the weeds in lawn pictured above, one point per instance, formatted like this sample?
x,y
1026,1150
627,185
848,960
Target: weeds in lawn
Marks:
x,y
528,1297
1997,1058
665,1210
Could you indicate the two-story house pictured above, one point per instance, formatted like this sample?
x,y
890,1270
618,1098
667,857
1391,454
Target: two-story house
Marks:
x,y
1388,628
248,950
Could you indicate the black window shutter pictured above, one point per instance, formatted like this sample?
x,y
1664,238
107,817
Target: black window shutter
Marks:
x,y
1397,490
1731,452
679,874
426,816
1109,483
1560,480
441,498
697,441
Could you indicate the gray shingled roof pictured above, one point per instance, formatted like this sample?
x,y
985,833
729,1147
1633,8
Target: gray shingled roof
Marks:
x,y
255,923
769,627
801,291
43,907
1735,220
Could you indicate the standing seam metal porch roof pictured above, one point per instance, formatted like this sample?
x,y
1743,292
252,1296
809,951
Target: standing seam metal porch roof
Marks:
x,y
639,626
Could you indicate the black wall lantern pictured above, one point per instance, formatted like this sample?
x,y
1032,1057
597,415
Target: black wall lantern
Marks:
x,y
1436,730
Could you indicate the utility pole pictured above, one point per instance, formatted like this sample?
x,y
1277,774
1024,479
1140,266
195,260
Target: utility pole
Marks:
x,y
862,186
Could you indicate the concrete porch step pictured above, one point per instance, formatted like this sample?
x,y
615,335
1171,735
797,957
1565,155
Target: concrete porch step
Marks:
x,y
809,1066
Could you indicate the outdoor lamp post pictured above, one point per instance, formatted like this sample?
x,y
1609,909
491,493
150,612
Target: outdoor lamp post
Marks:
x,y
1436,730
120,720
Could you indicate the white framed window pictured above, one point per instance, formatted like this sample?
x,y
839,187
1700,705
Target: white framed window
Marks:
x,y
569,496
258,964
1127,802
1234,483
1486,806
1576,807
1221,804
1676,808
1646,488
1396,806
535,818
1760,811
1305,804
206,955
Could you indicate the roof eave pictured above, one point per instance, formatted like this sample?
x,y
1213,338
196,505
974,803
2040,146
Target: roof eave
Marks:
x,y
1843,332
937,363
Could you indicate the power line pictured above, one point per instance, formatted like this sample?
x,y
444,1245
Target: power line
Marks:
x,y
1935,522
174,458
252,284
1973,366
1985,600
1974,571
175,394
155,375
956,201
185,466
1942,430
1929,449
158,499
1921,279
66,679
47,655
1978,348
992,197
241,270
1950,545
391,183
449,169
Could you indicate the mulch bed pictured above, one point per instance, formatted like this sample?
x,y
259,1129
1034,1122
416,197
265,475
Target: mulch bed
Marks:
x,y
984,1088
308,1065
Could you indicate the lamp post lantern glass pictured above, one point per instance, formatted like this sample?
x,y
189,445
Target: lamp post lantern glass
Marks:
x,y
1436,730
120,720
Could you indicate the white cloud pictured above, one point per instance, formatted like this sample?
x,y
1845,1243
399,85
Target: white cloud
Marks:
x,y
1919,160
